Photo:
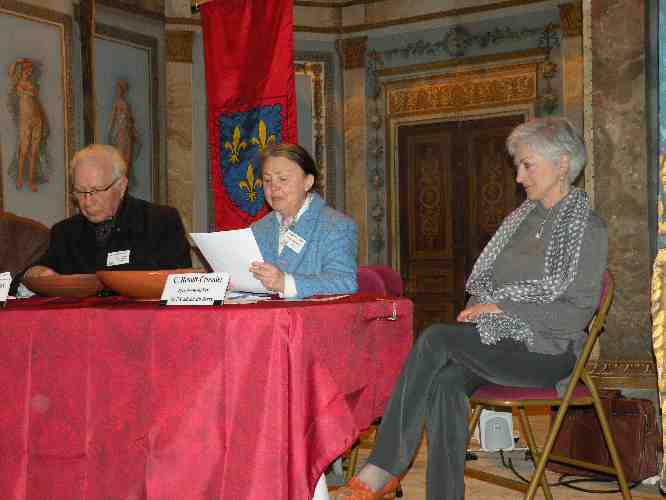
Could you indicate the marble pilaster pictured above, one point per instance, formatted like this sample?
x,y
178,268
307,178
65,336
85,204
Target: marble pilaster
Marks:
x,y
356,138
180,188
620,182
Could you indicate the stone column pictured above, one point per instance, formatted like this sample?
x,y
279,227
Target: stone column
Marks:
x,y
180,190
620,183
352,52
571,49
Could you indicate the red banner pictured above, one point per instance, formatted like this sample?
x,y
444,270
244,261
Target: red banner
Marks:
x,y
249,55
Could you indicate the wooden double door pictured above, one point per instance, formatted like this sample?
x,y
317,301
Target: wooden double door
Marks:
x,y
456,184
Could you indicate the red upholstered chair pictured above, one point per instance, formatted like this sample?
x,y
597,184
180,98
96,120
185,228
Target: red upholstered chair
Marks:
x,y
392,279
370,281
581,391
384,280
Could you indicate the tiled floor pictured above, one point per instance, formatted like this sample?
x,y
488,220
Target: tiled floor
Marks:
x,y
414,481
414,484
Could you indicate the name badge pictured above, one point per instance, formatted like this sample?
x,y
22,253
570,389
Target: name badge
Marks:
x,y
195,289
294,241
117,258
5,282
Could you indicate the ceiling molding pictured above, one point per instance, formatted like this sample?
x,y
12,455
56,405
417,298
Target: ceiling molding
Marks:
x,y
340,30
190,21
347,3
458,12
114,4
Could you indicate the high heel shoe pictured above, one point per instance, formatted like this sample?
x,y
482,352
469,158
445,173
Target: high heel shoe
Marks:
x,y
356,489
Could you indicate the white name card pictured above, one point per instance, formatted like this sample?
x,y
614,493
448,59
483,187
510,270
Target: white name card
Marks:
x,y
5,283
195,289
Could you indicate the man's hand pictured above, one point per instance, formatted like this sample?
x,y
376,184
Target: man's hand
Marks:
x,y
38,272
269,275
471,313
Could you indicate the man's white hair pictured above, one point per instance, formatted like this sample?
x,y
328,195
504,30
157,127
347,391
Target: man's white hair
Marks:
x,y
109,153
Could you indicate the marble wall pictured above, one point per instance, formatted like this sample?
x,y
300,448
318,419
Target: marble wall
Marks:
x,y
619,128
180,186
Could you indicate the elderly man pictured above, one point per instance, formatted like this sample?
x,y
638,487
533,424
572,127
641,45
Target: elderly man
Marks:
x,y
113,230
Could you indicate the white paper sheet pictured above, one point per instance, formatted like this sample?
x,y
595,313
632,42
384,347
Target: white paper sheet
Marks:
x,y
232,252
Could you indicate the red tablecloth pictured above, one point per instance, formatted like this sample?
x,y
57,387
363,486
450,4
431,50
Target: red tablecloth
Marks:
x,y
112,399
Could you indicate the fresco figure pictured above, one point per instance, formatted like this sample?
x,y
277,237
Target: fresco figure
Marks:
x,y
122,133
32,127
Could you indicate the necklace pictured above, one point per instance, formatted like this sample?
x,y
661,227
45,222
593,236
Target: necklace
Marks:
x,y
539,232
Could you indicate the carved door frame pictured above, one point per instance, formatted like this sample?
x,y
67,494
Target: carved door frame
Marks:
x,y
416,101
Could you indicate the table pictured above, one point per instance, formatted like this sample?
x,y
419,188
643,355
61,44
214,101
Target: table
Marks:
x,y
112,399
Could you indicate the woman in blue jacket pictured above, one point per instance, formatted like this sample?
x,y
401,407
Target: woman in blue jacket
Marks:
x,y
308,247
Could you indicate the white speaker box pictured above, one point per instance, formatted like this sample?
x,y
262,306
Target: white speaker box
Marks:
x,y
496,430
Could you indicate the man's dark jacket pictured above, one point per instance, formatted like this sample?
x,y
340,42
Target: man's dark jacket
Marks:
x,y
153,234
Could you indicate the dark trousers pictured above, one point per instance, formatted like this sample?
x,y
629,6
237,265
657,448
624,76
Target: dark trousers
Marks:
x,y
445,366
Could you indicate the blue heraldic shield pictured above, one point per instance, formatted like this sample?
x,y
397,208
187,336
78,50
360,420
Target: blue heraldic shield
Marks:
x,y
242,136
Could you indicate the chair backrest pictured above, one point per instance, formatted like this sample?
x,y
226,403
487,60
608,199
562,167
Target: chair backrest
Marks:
x,y
594,329
392,279
605,299
22,242
369,281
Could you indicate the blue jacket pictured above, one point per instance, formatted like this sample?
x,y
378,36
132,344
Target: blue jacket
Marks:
x,y
327,262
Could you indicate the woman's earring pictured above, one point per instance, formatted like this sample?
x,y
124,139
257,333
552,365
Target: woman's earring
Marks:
x,y
562,185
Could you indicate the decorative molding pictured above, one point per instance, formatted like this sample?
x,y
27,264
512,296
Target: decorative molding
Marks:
x,y
571,19
322,30
133,8
353,52
85,16
468,90
623,373
375,163
463,11
332,118
342,4
588,110
179,46
455,42
539,54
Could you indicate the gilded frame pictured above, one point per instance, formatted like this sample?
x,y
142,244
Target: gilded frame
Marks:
x,y
315,71
326,115
62,149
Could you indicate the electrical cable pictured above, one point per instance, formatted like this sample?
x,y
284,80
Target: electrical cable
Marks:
x,y
569,483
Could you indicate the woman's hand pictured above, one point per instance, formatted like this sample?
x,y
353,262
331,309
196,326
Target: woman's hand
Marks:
x,y
470,314
269,275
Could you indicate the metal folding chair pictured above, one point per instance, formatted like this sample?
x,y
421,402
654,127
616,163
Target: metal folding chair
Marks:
x,y
581,391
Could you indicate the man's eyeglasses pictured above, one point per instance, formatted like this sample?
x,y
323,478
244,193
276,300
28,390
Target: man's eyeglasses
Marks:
x,y
92,192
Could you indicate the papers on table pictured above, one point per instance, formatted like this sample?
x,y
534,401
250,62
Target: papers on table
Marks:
x,y
245,298
232,252
5,283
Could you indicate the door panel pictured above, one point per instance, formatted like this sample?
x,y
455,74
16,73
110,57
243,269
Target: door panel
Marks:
x,y
456,184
